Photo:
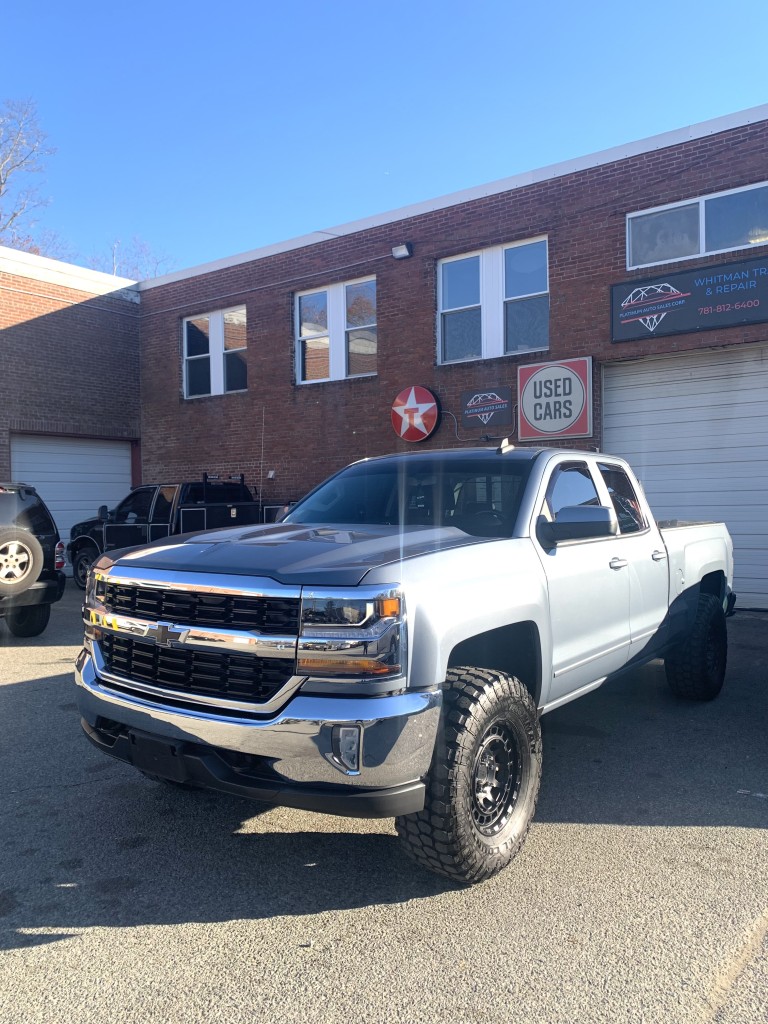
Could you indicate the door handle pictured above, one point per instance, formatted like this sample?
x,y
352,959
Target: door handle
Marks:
x,y
618,563
659,556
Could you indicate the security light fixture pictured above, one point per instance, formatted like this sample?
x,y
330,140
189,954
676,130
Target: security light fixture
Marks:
x,y
402,252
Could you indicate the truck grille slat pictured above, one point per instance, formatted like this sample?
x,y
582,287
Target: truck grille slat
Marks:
x,y
264,614
217,674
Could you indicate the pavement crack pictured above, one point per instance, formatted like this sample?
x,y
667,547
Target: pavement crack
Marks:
x,y
65,785
732,969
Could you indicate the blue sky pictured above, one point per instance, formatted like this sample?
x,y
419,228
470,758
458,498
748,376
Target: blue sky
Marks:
x,y
208,129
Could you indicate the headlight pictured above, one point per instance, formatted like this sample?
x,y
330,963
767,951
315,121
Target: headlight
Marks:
x,y
95,586
358,633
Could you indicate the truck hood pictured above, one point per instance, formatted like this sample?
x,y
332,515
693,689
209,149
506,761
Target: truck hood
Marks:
x,y
311,555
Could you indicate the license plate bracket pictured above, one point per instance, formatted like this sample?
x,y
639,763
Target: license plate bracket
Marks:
x,y
158,757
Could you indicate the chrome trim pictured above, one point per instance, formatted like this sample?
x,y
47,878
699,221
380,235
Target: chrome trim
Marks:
x,y
171,634
399,730
157,579
265,707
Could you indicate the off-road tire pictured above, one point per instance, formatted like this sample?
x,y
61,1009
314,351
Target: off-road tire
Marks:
x,y
28,621
21,561
484,779
82,560
696,667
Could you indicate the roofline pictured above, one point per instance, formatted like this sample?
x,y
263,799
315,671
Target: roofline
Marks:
x,y
66,275
606,156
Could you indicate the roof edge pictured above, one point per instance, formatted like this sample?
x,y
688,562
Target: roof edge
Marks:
x,y
674,137
66,275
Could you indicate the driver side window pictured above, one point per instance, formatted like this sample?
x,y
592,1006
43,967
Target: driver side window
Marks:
x,y
135,508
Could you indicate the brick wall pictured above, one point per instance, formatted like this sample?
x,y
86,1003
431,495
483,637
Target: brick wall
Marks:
x,y
69,360
304,432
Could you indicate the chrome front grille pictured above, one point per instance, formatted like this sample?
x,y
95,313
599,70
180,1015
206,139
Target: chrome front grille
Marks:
x,y
262,614
225,642
217,675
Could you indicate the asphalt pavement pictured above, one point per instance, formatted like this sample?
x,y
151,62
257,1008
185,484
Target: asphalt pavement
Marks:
x,y
641,894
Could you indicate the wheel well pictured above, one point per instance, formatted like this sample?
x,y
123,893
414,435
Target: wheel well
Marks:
x,y
713,583
515,650
84,542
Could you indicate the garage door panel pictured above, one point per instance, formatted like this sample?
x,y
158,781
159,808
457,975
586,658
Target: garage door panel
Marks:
x,y
695,429
720,404
73,475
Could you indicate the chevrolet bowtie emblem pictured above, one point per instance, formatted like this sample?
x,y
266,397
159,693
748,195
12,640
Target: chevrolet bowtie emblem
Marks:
x,y
164,634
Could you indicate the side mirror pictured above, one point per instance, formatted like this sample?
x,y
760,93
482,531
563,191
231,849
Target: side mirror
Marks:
x,y
579,522
103,514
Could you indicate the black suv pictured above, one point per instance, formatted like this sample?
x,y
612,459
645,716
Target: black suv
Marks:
x,y
31,560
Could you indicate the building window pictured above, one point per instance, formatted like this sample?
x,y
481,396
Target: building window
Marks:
x,y
214,353
336,332
722,222
494,302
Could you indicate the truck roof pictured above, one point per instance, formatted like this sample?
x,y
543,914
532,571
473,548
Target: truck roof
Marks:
x,y
456,454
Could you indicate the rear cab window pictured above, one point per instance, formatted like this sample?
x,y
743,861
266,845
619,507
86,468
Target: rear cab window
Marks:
x,y
626,504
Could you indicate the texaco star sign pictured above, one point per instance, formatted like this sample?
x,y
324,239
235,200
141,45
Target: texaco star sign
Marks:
x,y
414,413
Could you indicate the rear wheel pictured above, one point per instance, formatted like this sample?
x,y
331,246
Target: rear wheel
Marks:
x,y
484,780
695,669
29,621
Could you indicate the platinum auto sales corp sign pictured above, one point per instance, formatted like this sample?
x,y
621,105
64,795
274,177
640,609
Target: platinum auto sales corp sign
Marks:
x,y
555,400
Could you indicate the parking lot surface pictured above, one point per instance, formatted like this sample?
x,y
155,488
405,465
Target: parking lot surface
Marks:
x,y
641,894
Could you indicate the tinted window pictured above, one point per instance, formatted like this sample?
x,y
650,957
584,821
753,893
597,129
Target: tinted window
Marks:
x,y
27,511
161,513
624,499
135,508
214,491
571,484
480,497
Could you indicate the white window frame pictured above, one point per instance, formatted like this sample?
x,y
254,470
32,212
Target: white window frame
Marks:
x,y
336,332
216,351
492,302
701,201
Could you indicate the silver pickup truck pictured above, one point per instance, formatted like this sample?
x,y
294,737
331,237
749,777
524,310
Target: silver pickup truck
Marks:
x,y
389,648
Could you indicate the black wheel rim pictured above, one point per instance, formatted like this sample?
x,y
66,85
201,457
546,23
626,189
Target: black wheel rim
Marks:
x,y
496,779
82,565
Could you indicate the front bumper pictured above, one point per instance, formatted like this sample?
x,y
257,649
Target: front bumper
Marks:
x,y
287,759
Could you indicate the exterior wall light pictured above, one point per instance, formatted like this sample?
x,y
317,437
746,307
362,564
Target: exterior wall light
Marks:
x,y
402,252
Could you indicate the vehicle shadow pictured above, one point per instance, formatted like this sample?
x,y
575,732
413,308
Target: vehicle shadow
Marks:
x,y
85,841
65,626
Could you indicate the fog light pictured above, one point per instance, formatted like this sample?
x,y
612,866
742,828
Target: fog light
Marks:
x,y
347,740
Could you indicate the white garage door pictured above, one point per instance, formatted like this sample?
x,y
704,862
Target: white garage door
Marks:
x,y
695,429
73,475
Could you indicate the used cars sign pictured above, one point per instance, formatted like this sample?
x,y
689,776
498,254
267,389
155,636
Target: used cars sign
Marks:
x,y
555,399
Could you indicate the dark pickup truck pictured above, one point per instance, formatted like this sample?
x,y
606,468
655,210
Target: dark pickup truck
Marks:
x,y
153,511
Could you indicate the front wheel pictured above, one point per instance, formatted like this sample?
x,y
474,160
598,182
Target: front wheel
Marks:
x,y
28,621
82,560
484,779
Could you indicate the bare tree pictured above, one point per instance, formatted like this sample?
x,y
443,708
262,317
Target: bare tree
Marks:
x,y
23,152
135,259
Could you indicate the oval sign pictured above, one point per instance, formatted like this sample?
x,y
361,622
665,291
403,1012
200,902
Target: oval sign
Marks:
x,y
415,413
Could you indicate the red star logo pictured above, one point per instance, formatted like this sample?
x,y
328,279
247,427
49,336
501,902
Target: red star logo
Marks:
x,y
414,414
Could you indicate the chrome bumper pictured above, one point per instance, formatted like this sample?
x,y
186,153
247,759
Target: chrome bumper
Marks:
x,y
290,755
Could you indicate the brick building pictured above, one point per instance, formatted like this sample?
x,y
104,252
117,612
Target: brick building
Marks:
x,y
645,264
69,383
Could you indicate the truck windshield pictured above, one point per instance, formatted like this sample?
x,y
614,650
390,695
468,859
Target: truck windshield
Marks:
x,y
481,497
